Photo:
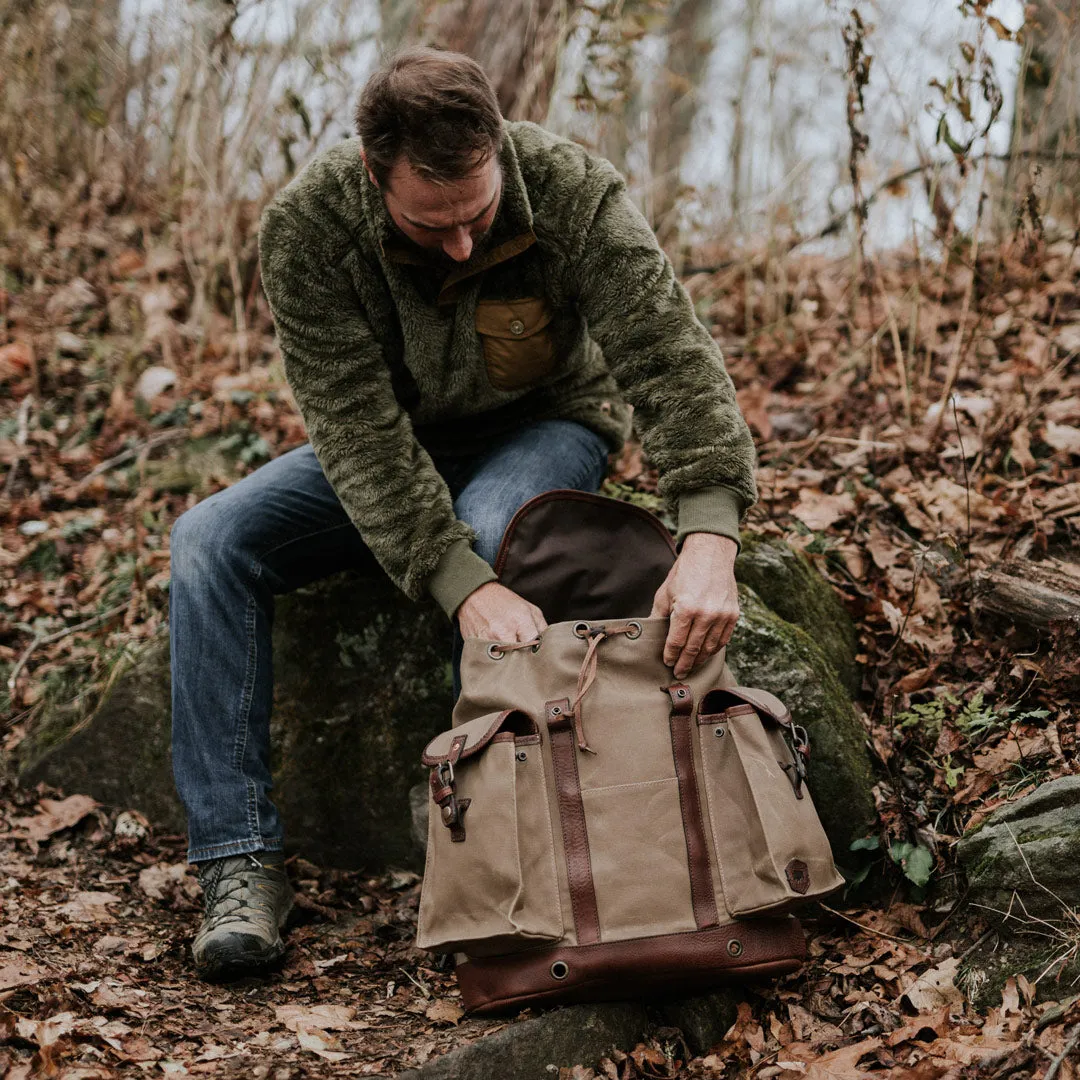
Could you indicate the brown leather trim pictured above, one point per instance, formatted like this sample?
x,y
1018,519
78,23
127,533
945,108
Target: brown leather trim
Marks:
x,y
768,705
702,895
668,963
581,496
506,250
572,820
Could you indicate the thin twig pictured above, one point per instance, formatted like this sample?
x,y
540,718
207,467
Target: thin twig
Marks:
x,y
20,441
48,639
967,492
131,453
1070,1046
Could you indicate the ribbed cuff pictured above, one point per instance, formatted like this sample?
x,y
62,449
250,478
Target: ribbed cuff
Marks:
x,y
460,572
710,510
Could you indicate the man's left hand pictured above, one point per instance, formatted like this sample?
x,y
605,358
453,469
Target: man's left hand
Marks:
x,y
702,600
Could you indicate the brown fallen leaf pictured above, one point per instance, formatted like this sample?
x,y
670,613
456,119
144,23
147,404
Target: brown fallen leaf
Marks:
x,y
167,881
818,511
443,1011
89,907
20,972
936,987
316,1017
53,815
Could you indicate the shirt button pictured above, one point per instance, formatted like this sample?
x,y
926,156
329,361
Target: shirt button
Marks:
x,y
517,327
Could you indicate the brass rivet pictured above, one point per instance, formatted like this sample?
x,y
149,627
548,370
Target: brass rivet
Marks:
x,y
734,946
719,732
517,327
521,756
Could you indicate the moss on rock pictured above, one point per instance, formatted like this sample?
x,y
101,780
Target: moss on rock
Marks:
x,y
778,656
790,585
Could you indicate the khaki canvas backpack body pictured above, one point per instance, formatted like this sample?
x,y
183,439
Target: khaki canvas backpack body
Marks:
x,y
597,829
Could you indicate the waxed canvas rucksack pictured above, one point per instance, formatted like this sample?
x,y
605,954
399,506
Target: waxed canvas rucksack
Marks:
x,y
597,829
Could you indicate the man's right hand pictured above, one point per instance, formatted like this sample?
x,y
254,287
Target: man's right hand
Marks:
x,y
496,613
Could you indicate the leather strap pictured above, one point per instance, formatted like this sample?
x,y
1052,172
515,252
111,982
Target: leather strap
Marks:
x,y
444,792
572,819
697,847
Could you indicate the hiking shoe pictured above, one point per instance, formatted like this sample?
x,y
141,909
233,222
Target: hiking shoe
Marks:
x,y
247,899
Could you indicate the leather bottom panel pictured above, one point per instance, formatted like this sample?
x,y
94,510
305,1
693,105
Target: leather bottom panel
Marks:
x,y
640,967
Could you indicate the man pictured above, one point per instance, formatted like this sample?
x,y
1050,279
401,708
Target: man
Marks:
x,y
464,307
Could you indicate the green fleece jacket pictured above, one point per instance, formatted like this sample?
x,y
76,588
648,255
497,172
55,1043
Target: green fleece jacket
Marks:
x,y
569,310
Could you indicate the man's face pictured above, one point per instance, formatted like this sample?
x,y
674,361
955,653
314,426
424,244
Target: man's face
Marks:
x,y
448,219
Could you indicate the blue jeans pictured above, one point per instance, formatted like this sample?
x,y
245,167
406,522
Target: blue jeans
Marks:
x,y
278,529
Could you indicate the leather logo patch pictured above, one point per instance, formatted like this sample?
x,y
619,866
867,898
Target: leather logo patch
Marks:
x,y
798,875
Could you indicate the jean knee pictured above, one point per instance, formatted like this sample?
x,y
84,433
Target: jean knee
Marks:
x,y
200,541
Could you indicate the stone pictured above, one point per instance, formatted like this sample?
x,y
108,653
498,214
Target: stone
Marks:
x,y
536,1049
776,655
703,1018
1029,848
346,749
790,585
155,380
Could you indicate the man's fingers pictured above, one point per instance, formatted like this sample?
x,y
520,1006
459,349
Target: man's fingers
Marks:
x,y
678,632
695,643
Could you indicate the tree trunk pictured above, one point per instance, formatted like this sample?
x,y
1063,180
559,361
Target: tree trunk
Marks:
x,y
675,105
516,41
1047,116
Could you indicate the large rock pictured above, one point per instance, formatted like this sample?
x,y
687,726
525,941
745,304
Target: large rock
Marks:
x,y
362,681
1029,849
789,584
1021,870
536,1049
776,655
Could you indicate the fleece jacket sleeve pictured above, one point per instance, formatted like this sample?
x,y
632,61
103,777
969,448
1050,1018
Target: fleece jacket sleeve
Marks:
x,y
664,360
386,481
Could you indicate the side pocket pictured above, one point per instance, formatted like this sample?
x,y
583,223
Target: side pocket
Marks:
x,y
490,882
772,852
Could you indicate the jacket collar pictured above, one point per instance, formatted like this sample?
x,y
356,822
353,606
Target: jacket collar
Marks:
x,y
511,232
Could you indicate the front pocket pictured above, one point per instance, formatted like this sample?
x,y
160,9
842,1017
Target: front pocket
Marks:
x,y
490,884
519,347
771,850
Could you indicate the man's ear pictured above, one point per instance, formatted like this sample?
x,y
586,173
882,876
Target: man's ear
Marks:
x,y
371,175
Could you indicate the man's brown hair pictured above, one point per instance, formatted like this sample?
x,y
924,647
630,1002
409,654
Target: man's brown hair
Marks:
x,y
436,107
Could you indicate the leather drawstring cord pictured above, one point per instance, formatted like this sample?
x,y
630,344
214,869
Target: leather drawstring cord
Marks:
x,y
587,673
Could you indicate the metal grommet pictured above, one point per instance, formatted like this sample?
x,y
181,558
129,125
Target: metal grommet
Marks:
x,y
517,327
521,756
734,947
559,970
536,647
556,710
636,632
680,692
495,652
719,732
581,629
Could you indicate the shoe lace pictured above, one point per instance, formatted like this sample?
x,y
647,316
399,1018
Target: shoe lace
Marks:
x,y
231,894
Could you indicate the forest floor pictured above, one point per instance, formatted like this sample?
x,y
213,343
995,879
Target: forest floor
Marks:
x,y
916,424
